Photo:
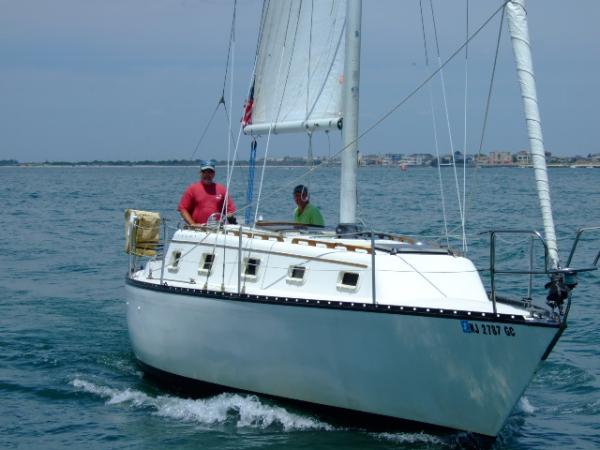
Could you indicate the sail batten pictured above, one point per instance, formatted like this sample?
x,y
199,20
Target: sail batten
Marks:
x,y
299,69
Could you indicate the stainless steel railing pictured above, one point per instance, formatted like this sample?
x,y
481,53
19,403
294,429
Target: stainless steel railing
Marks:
x,y
494,271
567,274
576,242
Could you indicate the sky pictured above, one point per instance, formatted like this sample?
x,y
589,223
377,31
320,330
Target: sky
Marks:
x,y
84,80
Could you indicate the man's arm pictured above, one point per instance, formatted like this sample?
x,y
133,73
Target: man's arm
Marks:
x,y
187,217
185,205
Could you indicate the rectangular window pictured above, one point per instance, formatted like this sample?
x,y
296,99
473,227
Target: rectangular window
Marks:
x,y
206,263
251,268
296,274
174,261
348,281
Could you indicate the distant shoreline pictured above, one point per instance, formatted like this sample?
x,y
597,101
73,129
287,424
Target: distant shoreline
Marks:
x,y
289,162
288,166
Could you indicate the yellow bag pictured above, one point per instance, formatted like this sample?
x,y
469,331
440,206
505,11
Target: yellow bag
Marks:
x,y
142,232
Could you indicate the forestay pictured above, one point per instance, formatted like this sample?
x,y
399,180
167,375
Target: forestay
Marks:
x,y
299,68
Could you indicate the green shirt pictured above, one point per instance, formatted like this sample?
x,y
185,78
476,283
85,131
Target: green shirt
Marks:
x,y
310,216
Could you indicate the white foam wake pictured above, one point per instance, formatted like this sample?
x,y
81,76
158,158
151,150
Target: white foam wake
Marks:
x,y
525,406
409,438
243,410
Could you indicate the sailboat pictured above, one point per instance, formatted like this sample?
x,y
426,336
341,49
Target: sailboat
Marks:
x,y
347,318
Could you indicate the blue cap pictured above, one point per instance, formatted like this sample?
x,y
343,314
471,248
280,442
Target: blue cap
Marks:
x,y
208,164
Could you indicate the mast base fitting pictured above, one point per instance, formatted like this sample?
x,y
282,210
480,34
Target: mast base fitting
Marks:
x,y
348,230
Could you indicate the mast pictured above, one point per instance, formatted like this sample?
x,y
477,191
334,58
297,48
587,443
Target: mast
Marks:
x,y
350,93
519,32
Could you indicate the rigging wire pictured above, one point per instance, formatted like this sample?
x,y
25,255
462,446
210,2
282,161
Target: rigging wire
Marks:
x,y
253,145
221,101
262,176
225,78
230,139
418,88
310,159
465,149
398,105
445,101
434,124
489,98
310,37
308,79
229,49
229,130
231,52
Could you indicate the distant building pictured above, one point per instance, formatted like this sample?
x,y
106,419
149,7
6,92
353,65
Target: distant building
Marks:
x,y
370,160
481,159
394,157
418,159
523,158
500,159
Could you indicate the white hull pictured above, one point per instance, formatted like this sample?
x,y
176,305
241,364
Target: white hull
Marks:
x,y
417,366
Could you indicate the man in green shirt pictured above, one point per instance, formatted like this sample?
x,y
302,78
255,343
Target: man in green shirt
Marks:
x,y
305,213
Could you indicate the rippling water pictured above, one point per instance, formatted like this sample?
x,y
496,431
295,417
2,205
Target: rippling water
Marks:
x,y
67,374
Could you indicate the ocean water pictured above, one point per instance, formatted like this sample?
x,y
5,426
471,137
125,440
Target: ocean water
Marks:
x,y
67,374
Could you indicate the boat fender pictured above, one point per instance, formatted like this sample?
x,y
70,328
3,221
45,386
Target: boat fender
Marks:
x,y
142,232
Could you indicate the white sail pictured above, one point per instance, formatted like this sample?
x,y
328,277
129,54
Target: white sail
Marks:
x,y
519,31
299,68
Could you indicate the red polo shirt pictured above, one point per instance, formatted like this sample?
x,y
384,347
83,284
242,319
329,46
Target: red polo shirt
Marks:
x,y
201,201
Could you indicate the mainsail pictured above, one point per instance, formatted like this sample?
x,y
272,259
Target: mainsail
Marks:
x,y
299,68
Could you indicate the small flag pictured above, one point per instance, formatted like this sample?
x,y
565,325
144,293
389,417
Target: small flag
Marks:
x,y
248,105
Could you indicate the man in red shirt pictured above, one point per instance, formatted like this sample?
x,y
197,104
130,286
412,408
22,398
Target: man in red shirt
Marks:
x,y
203,199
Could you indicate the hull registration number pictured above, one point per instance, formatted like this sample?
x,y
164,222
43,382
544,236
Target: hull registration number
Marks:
x,y
487,329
